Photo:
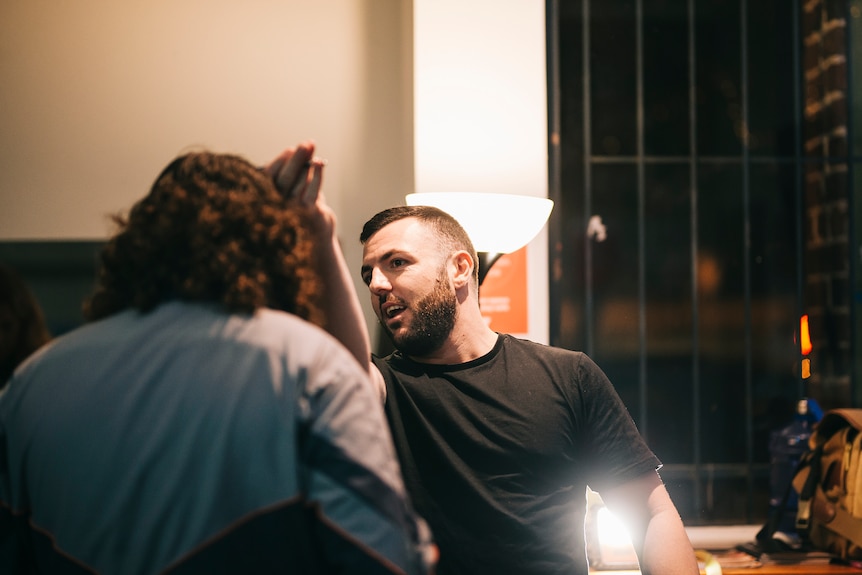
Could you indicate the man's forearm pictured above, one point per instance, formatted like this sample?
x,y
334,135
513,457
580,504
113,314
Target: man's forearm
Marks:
x,y
667,549
656,529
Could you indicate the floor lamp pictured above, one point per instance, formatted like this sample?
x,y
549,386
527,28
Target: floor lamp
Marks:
x,y
496,223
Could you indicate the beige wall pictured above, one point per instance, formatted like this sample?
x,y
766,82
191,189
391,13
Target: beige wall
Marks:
x,y
96,96
480,111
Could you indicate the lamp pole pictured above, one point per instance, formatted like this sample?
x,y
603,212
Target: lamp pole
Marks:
x,y
486,260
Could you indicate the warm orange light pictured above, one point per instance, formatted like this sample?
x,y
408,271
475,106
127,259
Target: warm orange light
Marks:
x,y
804,335
806,368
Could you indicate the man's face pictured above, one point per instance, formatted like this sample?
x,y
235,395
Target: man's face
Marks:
x,y
411,291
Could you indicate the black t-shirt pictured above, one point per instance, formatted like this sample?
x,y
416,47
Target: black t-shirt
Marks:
x,y
497,453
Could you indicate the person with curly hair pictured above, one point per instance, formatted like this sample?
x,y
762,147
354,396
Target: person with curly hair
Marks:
x,y
23,329
202,420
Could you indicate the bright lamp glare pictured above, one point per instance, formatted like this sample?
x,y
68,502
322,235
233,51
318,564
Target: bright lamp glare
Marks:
x,y
612,532
496,223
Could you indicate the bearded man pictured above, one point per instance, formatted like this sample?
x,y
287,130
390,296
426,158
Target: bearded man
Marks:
x,y
499,437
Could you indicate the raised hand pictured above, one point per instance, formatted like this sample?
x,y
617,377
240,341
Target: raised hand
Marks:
x,y
298,175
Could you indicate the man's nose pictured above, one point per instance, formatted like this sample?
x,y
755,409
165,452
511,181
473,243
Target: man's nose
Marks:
x,y
379,283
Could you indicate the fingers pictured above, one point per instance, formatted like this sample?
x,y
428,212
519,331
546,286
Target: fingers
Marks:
x,y
278,163
298,177
312,190
292,177
293,171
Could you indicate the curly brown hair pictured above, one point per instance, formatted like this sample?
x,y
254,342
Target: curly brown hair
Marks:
x,y
23,329
212,229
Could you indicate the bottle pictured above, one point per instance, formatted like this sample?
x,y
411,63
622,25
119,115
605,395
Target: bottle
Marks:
x,y
786,447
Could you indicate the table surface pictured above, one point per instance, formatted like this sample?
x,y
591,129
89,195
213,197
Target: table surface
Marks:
x,y
723,540
768,570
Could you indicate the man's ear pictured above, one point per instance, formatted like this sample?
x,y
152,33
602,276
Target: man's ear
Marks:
x,y
463,264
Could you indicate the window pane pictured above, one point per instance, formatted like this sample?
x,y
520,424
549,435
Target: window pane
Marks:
x,y
571,94
713,367
667,251
666,78
774,308
567,269
772,90
718,77
612,77
615,279
722,325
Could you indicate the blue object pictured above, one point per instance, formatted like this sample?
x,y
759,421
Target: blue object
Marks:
x,y
815,412
786,447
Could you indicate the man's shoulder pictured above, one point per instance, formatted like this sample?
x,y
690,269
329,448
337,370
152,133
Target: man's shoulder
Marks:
x,y
526,355
536,348
383,363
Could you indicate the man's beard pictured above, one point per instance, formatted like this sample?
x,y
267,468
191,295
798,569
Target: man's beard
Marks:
x,y
433,321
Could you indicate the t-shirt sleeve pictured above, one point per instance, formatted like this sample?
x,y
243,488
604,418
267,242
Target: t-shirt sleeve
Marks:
x,y
616,450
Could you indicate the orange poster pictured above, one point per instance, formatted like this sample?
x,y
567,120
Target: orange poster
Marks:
x,y
503,294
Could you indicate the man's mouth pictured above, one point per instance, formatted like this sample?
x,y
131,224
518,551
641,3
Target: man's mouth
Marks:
x,y
391,310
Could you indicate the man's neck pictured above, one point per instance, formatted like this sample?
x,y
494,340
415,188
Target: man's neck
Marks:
x,y
461,346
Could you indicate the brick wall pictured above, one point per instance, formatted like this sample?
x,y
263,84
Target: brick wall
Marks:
x,y
826,224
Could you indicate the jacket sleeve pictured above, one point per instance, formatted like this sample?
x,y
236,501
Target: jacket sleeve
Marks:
x,y
12,521
352,478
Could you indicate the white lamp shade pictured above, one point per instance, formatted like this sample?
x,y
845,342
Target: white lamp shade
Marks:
x,y
496,223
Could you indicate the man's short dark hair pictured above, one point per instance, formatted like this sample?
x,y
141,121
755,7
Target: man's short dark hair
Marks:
x,y
452,234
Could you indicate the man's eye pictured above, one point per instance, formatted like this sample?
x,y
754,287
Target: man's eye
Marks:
x,y
397,263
